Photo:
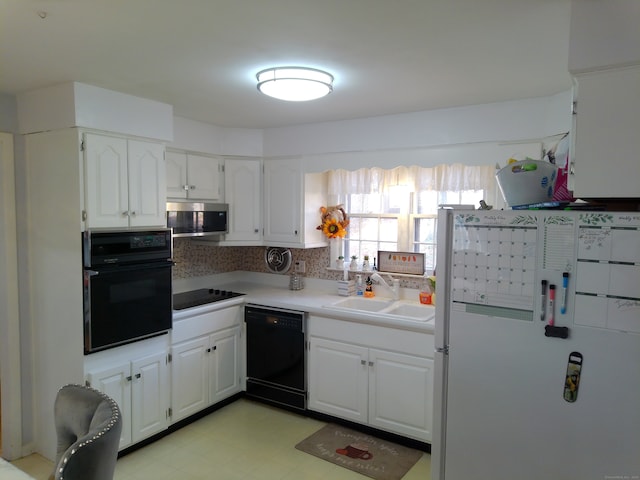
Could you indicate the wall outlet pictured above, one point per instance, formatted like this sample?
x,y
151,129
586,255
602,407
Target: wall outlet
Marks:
x,y
300,266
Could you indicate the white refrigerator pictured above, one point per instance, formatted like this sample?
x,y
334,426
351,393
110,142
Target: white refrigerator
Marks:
x,y
537,365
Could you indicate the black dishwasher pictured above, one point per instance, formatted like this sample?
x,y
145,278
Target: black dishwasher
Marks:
x,y
276,356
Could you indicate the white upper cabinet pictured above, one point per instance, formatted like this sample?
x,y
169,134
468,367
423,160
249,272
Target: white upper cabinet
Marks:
x,y
604,56
177,185
124,182
243,193
292,201
193,176
606,135
282,202
147,184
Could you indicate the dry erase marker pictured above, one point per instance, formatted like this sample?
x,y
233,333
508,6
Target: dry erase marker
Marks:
x,y
565,284
552,298
543,299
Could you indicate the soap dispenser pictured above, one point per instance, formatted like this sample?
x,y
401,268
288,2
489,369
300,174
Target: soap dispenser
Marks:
x,y
368,291
425,291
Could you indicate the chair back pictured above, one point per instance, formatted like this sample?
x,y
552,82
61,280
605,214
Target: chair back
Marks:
x,y
88,425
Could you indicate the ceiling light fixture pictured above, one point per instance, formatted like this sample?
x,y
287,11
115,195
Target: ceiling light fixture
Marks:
x,y
294,84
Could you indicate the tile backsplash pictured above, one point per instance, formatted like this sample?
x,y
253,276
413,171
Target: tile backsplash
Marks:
x,y
195,259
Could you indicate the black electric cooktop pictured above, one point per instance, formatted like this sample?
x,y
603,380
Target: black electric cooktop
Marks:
x,y
201,297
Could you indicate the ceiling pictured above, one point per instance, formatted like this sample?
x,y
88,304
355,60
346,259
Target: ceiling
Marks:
x,y
201,56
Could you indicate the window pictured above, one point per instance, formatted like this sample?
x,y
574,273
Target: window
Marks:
x,y
398,221
423,222
397,209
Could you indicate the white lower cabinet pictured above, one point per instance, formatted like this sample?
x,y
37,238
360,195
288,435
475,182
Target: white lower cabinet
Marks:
x,y
141,389
190,377
401,393
205,370
385,389
205,360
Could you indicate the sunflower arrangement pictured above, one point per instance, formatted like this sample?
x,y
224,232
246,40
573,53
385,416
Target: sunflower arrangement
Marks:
x,y
334,221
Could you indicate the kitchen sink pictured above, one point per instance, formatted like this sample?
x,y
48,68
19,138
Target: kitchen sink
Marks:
x,y
391,309
359,303
415,311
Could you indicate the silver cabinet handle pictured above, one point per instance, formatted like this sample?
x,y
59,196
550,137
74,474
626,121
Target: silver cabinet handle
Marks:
x,y
371,364
363,362
124,214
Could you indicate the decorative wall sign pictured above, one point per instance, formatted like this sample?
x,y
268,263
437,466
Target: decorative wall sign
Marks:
x,y
401,262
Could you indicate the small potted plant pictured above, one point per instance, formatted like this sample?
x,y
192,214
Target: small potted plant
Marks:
x,y
366,266
354,264
340,262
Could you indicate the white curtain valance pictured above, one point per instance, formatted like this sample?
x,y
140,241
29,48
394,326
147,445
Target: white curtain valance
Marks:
x,y
450,178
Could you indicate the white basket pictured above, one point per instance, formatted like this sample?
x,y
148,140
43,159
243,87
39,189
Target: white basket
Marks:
x,y
527,182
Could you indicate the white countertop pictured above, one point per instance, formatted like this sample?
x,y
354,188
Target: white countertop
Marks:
x,y
316,298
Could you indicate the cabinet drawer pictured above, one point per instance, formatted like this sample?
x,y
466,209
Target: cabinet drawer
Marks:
x,y
205,323
404,341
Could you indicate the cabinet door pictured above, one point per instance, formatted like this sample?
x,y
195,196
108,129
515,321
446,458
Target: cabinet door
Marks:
x,y
283,200
116,383
338,379
606,135
177,186
147,184
105,183
203,177
243,193
401,393
149,396
224,365
189,377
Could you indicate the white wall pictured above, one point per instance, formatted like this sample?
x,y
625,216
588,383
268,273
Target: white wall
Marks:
x,y
75,104
205,138
420,138
604,34
500,122
9,311
24,391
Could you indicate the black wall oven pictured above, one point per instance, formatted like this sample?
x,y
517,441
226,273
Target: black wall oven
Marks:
x,y
127,287
276,356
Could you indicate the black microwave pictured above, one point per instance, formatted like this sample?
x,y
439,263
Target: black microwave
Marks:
x,y
197,219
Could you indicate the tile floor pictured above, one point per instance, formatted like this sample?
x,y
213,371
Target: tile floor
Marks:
x,y
244,440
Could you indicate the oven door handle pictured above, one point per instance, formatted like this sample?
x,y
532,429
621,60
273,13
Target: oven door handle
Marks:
x,y
111,269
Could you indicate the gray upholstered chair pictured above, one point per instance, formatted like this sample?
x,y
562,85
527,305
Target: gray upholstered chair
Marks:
x,y
88,425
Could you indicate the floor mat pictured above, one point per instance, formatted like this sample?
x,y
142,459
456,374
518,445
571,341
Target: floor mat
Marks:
x,y
362,453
